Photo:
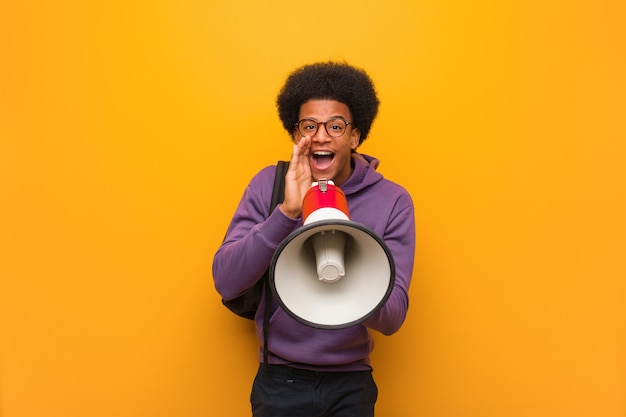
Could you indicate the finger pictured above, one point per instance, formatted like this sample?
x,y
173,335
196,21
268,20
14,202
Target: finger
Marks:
x,y
304,143
304,146
301,150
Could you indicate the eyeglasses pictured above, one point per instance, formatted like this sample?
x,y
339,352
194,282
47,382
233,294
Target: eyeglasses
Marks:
x,y
335,126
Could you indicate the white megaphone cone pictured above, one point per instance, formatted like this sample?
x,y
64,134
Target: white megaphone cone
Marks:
x,y
332,272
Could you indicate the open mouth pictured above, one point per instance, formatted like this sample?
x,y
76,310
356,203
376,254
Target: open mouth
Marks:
x,y
322,159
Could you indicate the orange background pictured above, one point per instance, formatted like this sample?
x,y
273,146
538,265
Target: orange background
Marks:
x,y
128,131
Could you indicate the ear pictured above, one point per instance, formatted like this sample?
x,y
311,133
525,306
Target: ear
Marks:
x,y
355,138
294,136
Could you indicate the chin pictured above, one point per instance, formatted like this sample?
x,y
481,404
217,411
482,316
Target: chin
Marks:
x,y
317,175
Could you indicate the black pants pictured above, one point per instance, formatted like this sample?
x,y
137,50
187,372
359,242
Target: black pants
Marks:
x,y
282,391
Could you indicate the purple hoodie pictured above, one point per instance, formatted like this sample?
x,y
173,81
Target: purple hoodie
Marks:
x,y
254,234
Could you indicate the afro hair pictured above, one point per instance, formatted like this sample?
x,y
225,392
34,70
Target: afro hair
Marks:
x,y
329,81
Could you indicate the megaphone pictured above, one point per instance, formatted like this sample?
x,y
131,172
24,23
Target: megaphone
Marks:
x,y
331,273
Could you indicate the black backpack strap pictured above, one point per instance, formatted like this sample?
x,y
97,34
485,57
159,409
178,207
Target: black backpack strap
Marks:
x,y
278,195
278,192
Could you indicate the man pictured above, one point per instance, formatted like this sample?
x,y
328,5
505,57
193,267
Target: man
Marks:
x,y
328,109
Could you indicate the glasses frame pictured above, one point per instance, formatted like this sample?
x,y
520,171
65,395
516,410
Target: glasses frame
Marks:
x,y
310,119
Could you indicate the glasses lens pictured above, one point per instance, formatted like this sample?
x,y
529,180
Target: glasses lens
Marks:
x,y
335,127
307,127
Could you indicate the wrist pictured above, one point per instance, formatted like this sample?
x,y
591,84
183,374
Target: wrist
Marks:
x,y
292,214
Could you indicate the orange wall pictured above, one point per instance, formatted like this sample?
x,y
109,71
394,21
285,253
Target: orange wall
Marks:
x,y
128,131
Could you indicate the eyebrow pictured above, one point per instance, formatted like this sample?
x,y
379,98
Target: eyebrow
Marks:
x,y
330,118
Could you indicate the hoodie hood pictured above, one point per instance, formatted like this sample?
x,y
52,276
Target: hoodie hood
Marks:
x,y
363,175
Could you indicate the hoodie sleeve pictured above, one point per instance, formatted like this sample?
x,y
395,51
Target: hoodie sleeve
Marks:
x,y
400,238
251,238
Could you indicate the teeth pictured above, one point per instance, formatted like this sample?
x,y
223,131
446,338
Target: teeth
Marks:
x,y
323,153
